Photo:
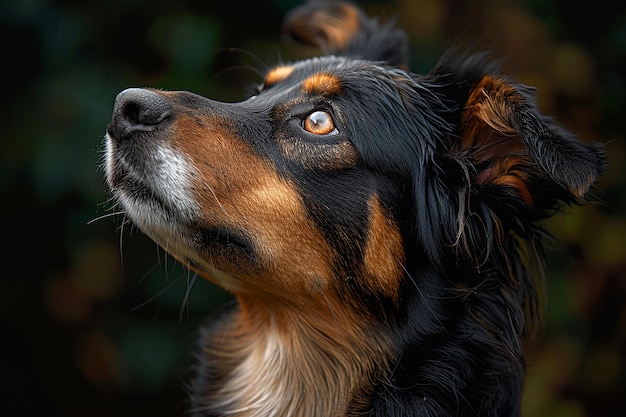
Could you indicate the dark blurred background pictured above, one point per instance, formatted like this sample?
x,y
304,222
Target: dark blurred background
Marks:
x,y
97,321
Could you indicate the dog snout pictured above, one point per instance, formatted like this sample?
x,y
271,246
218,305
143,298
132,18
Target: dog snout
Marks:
x,y
137,110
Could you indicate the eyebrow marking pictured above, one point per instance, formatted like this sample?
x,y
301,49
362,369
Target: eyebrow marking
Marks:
x,y
322,83
278,74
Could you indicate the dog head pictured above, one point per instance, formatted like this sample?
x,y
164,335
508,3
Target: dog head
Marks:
x,y
347,175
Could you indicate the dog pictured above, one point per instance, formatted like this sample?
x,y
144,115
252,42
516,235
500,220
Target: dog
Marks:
x,y
380,229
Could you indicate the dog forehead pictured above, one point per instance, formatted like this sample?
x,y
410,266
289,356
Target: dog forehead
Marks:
x,y
319,75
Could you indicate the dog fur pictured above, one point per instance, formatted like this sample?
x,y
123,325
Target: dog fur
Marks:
x,y
379,228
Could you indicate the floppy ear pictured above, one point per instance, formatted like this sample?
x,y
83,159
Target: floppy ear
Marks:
x,y
498,166
341,28
510,144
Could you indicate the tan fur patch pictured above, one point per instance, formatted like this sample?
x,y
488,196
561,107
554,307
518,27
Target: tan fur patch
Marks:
x,y
508,172
384,254
278,74
487,120
489,134
328,28
338,30
323,84
492,100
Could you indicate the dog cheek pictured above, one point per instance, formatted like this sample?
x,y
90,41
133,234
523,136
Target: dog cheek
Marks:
x,y
289,243
238,189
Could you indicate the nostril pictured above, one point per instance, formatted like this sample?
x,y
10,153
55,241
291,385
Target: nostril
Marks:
x,y
138,110
131,112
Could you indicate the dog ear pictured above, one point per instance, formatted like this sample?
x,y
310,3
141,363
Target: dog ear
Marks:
x,y
510,144
341,28
498,166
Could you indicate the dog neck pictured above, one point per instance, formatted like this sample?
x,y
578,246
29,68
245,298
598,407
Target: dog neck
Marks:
x,y
312,360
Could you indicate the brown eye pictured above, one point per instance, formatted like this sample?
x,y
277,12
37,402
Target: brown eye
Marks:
x,y
320,123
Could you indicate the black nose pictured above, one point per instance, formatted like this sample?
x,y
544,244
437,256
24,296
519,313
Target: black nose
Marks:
x,y
137,110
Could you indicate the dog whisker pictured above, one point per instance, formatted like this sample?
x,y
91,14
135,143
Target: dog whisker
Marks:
x,y
301,311
105,216
157,295
261,66
208,187
154,267
185,303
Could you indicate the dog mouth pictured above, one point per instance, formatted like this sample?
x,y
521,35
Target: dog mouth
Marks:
x,y
169,215
226,239
143,200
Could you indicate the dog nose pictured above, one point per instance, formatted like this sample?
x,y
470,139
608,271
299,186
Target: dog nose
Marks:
x,y
137,110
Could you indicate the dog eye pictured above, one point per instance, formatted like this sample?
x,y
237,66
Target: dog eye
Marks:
x,y
320,123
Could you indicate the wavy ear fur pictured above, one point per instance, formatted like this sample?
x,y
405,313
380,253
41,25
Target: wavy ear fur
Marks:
x,y
500,121
507,142
341,28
